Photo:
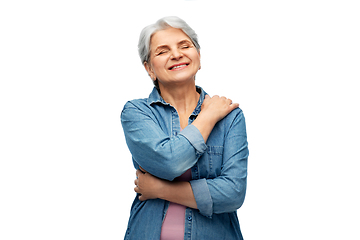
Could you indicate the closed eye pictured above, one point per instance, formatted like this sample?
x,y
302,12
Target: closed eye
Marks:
x,y
162,52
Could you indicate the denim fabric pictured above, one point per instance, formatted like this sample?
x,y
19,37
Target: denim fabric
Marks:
x,y
218,167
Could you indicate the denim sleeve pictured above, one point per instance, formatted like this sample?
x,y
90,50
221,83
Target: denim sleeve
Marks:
x,y
163,156
193,135
226,192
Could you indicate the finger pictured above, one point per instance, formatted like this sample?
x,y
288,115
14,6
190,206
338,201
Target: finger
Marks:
x,y
138,173
234,105
228,101
207,99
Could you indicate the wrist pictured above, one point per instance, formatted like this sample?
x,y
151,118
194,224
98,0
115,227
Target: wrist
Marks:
x,y
163,190
207,117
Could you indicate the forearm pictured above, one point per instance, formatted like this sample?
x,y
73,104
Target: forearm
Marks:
x,y
204,124
151,187
178,192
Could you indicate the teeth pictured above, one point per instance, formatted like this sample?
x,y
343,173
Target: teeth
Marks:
x,y
179,66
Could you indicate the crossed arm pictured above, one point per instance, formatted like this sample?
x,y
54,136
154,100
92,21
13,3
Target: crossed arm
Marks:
x,y
225,193
151,187
164,156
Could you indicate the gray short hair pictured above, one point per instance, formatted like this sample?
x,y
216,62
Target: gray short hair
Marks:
x,y
161,24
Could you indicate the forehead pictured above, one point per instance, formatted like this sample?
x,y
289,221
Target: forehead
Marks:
x,y
168,36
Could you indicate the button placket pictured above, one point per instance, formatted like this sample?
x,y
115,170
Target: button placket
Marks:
x,y
188,223
175,122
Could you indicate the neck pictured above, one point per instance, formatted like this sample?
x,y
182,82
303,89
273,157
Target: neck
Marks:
x,y
183,98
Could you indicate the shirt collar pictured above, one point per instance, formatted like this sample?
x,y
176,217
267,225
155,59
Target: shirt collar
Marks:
x,y
155,97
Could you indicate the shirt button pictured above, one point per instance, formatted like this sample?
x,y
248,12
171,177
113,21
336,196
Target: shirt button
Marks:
x,y
189,218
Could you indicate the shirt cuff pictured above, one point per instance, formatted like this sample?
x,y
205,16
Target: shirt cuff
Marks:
x,y
193,135
202,197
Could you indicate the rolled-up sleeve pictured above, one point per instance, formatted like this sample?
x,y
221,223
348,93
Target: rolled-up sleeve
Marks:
x,y
193,135
164,156
226,192
202,196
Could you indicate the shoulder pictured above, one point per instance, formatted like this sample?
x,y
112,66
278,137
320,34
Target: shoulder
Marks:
x,y
226,129
236,115
135,107
136,103
234,121
145,103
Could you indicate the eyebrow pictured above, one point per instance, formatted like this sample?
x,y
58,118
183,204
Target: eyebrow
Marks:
x,y
184,41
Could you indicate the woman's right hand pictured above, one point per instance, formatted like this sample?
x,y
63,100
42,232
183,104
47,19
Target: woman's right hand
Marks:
x,y
213,110
217,107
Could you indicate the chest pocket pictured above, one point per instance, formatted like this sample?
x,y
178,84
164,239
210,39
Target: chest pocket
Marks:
x,y
214,160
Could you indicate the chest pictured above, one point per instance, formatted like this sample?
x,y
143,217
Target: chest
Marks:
x,y
210,163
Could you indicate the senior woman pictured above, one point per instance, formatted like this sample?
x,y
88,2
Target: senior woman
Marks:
x,y
189,149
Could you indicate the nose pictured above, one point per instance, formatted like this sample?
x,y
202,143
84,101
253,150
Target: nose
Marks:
x,y
176,54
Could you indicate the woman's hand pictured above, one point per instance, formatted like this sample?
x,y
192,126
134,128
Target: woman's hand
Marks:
x,y
217,107
147,185
213,110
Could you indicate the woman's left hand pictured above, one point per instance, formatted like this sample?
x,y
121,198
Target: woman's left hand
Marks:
x,y
147,185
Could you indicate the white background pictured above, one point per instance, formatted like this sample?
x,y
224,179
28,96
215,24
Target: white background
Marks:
x,y
68,67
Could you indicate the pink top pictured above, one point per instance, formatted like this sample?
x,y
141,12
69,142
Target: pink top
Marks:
x,y
173,227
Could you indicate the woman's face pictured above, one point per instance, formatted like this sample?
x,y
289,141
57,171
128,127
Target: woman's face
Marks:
x,y
173,57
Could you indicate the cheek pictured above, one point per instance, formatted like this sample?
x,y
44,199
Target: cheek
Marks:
x,y
195,57
196,60
158,65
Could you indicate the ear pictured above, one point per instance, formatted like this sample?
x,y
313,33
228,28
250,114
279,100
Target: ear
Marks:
x,y
150,70
200,59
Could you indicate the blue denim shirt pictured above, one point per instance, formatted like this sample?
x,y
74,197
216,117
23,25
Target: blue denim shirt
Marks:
x,y
218,167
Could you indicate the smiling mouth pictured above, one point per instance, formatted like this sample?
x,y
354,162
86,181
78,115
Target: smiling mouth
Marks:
x,y
179,66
